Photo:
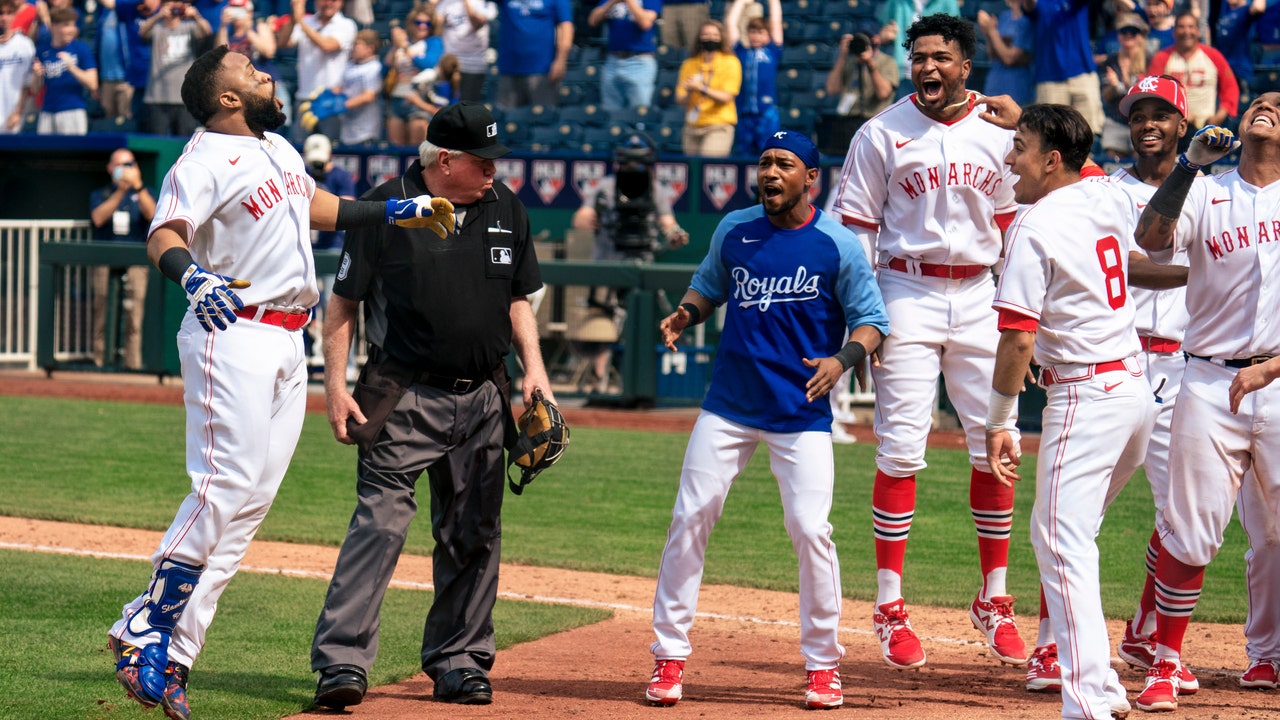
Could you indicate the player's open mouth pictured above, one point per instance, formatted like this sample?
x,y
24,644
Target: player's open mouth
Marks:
x,y
1150,138
931,89
1263,120
771,191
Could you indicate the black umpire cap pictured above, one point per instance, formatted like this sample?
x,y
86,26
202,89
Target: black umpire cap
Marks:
x,y
469,127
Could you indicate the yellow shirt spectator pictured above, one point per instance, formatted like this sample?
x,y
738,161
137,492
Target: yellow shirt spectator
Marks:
x,y
708,84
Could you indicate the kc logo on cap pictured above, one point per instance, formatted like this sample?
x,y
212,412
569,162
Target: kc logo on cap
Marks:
x,y
1159,87
469,127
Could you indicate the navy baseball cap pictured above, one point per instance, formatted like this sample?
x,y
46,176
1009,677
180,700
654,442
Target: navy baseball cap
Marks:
x,y
469,127
795,142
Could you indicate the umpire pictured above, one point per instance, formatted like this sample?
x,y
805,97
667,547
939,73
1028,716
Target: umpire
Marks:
x,y
434,396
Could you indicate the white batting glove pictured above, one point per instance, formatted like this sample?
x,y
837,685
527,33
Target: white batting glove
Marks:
x,y
212,296
1209,145
432,213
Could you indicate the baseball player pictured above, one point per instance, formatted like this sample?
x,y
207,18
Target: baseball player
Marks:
x,y
926,179
1063,298
237,204
1156,108
795,285
1228,224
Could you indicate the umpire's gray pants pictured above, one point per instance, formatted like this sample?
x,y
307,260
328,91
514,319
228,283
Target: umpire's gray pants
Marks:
x,y
457,439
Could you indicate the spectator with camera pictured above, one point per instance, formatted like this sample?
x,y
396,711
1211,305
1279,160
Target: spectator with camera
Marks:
x,y
866,80
121,212
414,48
1010,43
630,215
66,66
707,88
175,34
760,56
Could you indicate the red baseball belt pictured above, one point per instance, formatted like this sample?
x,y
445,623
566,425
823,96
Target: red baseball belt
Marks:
x,y
1159,344
287,320
954,272
1048,377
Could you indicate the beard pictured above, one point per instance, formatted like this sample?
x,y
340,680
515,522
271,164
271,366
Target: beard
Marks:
x,y
262,114
785,205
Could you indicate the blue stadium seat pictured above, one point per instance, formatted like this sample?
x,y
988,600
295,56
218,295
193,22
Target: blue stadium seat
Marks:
x,y
582,115
599,139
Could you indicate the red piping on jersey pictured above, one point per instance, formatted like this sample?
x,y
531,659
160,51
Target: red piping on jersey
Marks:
x,y
873,227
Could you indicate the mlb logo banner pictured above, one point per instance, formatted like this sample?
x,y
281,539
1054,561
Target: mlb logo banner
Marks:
x,y
510,172
673,180
548,179
586,176
720,187
381,168
351,163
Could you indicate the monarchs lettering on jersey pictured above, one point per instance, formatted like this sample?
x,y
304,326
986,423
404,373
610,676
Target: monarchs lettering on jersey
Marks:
x,y
269,193
1224,242
979,177
762,292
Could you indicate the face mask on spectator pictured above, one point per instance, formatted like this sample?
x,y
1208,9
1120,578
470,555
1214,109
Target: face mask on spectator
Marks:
x,y
709,45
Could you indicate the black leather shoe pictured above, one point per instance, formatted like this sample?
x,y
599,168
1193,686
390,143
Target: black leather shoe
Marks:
x,y
465,686
341,686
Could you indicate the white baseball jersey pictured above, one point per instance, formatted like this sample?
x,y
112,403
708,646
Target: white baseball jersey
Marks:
x,y
1076,284
16,57
318,69
1157,313
1231,232
235,192
932,189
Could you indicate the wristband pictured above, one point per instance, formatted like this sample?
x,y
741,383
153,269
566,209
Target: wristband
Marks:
x,y
1186,164
853,353
360,213
695,315
999,408
1169,197
173,263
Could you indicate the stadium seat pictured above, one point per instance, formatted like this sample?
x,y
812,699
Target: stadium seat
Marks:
x,y
582,115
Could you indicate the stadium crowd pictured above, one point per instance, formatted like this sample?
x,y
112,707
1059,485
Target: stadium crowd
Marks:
x,y
707,78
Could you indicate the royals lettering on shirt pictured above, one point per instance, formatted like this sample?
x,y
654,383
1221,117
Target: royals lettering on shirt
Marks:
x,y
269,193
981,178
761,292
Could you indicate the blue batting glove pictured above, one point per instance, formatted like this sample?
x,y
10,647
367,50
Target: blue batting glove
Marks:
x,y
322,105
433,213
1209,145
212,296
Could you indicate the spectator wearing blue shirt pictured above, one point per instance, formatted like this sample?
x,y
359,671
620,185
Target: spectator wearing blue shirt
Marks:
x,y
112,50
630,70
67,68
1063,65
534,39
760,56
1010,43
132,14
1268,31
121,212
1232,38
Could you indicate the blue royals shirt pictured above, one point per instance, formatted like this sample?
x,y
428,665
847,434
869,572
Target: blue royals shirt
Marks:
x,y
759,77
788,295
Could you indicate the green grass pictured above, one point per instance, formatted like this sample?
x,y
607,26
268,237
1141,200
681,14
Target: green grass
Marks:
x,y
604,507
55,611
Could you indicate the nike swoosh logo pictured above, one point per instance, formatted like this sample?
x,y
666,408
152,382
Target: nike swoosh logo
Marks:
x,y
1221,200
234,160
1111,386
1141,205
746,240
902,143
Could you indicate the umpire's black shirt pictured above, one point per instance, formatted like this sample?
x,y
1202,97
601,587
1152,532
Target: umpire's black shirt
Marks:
x,y
442,306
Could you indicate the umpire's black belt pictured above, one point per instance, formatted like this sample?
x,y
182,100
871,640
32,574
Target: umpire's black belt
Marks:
x,y
458,386
1235,363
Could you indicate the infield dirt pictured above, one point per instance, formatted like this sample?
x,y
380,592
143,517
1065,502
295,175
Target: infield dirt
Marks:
x,y
746,662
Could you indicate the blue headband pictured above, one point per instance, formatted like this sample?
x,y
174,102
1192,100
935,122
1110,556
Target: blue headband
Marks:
x,y
795,142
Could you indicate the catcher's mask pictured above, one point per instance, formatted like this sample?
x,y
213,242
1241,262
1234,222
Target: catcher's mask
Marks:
x,y
543,436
